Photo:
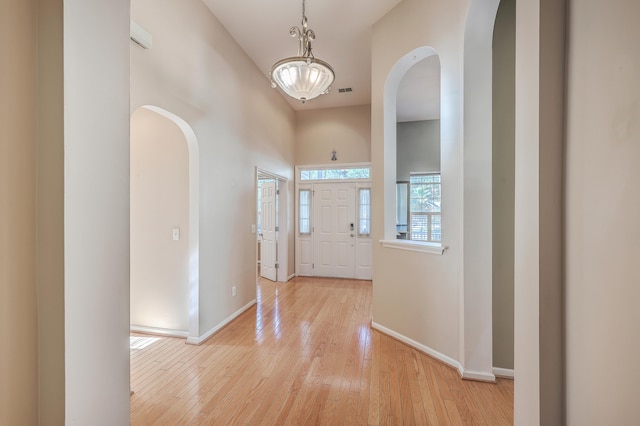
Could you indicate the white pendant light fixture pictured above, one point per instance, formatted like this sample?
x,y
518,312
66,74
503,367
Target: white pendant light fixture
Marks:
x,y
303,77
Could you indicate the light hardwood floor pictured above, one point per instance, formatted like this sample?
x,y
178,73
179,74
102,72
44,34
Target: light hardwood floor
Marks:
x,y
305,354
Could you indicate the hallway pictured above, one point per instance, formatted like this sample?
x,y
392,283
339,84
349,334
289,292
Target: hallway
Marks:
x,y
305,354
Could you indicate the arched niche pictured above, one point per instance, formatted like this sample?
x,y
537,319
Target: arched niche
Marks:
x,y
418,165
391,90
173,188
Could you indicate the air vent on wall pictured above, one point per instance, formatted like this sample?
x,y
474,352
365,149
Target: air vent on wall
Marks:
x,y
345,90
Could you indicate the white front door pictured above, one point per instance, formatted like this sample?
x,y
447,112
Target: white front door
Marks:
x,y
268,247
334,230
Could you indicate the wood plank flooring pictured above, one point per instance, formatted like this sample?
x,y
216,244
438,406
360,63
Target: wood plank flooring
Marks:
x,y
305,354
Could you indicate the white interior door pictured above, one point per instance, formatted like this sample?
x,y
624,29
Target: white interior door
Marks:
x,y
268,229
334,230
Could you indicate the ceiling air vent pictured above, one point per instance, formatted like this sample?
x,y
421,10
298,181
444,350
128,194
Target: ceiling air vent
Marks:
x,y
345,90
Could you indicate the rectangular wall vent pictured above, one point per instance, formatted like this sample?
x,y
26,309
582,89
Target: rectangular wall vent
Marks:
x,y
345,90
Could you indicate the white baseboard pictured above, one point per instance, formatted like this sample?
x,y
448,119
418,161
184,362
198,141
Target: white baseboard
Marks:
x,y
292,276
479,376
419,346
505,373
158,331
200,340
464,374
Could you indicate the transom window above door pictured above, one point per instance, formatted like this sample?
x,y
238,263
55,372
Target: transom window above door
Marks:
x,y
356,172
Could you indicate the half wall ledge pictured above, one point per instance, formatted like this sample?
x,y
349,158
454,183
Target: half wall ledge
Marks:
x,y
419,246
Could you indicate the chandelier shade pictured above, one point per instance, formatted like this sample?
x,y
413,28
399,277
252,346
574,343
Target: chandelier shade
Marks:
x,y
303,77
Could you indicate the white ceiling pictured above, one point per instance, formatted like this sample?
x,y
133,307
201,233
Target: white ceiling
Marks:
x,y
343,39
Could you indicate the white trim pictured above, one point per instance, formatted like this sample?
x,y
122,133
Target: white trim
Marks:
x,y
419,346
464,374
200,340
419,246
479,376
158,331
505,373
292,276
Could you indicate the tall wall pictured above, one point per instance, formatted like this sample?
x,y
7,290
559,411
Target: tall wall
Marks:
x,y
18,138
198,72
159,203
320,131
96,211
602,210
417,295
503,177
418,148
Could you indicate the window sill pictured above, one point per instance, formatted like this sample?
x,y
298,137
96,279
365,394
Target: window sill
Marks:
x,y
419,246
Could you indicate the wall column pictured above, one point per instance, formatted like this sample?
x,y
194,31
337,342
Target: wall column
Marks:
x,y
538,280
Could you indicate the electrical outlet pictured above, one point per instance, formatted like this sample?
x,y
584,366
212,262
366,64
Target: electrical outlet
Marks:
x,y
233,291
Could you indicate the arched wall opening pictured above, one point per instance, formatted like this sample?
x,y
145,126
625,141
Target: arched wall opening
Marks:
x,y
164,224
392,85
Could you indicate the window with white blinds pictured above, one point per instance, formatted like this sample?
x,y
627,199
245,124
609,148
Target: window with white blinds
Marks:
x,y
425,216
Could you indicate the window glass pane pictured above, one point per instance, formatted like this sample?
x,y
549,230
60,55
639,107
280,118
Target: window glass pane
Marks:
x,y
436,227
336,174
364,225
304,211
402,219
425,196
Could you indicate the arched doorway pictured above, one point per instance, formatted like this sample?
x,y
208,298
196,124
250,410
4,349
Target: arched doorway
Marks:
x,y
164,224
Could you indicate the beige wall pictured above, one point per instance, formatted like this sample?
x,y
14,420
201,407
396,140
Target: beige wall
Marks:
x,y
503,182
159,203
320,131
198,72
418,144
18,299
417,295
602,211
96,211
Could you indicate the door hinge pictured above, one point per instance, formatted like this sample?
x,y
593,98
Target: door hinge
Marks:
x,y
277,266
277,192
277,228
313,266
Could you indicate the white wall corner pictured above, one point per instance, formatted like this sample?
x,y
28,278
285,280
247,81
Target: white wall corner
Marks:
x,y
200,340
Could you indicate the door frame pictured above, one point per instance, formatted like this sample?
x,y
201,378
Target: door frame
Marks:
x,y
309,184
282,239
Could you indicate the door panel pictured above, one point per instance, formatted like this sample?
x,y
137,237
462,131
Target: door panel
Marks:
x,y
268,224
334,238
